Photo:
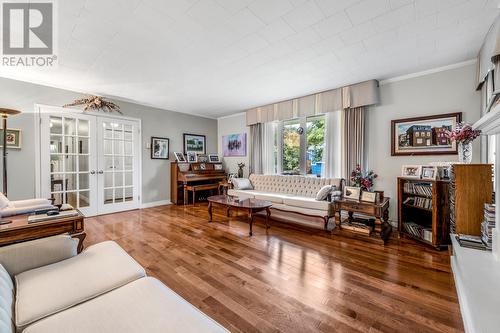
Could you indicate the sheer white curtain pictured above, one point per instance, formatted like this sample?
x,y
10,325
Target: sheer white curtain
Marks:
x,y
262,149
269,148
332,156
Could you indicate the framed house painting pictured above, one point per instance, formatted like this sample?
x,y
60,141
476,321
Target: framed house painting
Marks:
x,y
234,145
13,138
424,135
159,148
194,143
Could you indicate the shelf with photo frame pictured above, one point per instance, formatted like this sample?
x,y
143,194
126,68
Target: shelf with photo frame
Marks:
x,y
423,210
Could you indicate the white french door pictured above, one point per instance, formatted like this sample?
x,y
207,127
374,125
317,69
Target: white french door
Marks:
x,y
91,162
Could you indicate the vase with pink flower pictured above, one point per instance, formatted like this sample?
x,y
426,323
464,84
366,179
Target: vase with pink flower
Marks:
x,y
363,180
463,135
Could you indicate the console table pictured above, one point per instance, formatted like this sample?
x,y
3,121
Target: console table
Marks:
x,y
378,209
20,230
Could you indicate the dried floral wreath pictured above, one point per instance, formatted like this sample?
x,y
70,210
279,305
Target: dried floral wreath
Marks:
x,y
95,103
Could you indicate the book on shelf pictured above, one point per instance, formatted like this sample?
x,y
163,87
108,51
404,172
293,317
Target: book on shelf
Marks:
x,y
357,227
418,188
472,242
418,231
488,225
419,202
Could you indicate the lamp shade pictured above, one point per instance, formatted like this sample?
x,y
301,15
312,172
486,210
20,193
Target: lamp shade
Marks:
x,y
8,112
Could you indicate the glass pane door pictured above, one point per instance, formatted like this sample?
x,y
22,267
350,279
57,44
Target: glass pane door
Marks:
x,y
118,165
68,170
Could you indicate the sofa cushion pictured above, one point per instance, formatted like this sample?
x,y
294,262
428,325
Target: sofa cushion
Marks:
x,y
242,193
323,192
4,202
6,302
273,197
300,210
241,184
145,305
306,202
49,289
20,257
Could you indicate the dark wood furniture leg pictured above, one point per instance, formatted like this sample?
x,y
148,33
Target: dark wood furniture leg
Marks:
x,y
386,227
194,197
250,221
228,209
210,211
81,237
185,195
268,213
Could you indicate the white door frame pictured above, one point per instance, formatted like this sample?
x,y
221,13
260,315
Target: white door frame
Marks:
x,y
43,108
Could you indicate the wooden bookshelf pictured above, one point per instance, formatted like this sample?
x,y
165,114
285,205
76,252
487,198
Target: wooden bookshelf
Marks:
x,y
423,210
470,188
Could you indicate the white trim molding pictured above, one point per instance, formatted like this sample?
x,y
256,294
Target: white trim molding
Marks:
x,y
428,72
155,204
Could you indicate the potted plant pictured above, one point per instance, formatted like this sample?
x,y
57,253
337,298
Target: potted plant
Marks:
x,y
364,181
463,135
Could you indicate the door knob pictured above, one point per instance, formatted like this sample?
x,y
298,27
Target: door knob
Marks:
x,y
92,172
100,172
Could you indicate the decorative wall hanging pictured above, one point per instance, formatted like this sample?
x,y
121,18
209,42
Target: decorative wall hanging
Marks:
x,y
95,103
234,145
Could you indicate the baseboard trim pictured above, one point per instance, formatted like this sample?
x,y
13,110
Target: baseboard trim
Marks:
x,y
155,204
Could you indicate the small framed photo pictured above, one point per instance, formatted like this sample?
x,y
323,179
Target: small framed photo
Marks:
x,y
411,171
352,193
368,196
192,157
218,166
203,166
429,172
202,158
179,157
213,158
13,138
159,148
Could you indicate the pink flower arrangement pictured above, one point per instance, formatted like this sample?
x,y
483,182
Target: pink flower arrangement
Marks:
x,y
464,133
365,182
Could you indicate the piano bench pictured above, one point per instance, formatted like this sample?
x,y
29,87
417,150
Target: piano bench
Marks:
x,y
194,188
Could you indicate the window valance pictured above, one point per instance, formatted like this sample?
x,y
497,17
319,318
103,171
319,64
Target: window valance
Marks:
x,y
489,53
356,95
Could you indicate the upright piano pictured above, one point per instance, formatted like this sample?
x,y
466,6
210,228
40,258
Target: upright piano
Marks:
x,y
184,174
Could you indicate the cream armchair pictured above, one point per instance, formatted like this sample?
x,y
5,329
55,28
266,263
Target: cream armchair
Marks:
x,y
10,208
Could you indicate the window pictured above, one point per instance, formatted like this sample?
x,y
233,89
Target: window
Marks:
x,y
303,143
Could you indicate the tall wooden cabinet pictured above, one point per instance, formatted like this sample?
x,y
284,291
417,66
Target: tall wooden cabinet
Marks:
x,y
471,187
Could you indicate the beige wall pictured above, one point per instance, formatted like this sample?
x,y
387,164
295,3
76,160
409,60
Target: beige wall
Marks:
x,y
155,122
442,92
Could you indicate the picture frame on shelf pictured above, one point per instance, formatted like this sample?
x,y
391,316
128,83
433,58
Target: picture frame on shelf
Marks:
x,y
411,171
213,158
160,148
194,143
192,157
368,196
218,166
352,193
202,158
424,135
180,157
429,172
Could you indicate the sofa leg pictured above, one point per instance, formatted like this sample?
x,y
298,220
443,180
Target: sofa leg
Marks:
x,y
326,219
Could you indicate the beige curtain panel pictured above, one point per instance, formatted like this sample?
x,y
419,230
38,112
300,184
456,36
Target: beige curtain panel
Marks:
x,y
353,136
353,96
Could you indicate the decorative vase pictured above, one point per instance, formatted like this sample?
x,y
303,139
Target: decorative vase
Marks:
x,y
465,152
240,173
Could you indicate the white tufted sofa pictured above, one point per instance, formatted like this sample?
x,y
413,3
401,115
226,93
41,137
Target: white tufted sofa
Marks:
x,y
293,197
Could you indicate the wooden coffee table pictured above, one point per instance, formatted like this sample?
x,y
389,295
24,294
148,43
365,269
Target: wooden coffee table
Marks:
x,y
21,231
251,206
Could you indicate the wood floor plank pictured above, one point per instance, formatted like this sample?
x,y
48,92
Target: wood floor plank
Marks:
x,y
286,279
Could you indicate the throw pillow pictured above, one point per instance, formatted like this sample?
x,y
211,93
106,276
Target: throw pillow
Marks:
x,y
323,193
4,202
242,184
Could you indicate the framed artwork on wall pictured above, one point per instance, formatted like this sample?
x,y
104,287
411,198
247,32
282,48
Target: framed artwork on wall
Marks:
x,y
160,148
234,145
13,138
424,135
194,143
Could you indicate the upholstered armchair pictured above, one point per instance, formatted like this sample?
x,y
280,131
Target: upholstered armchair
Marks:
x,y
10,208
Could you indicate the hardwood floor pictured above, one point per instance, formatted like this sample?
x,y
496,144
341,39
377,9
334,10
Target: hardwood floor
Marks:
x,y
287,280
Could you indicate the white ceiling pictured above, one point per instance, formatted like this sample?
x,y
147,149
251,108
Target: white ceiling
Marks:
x,y
215,57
